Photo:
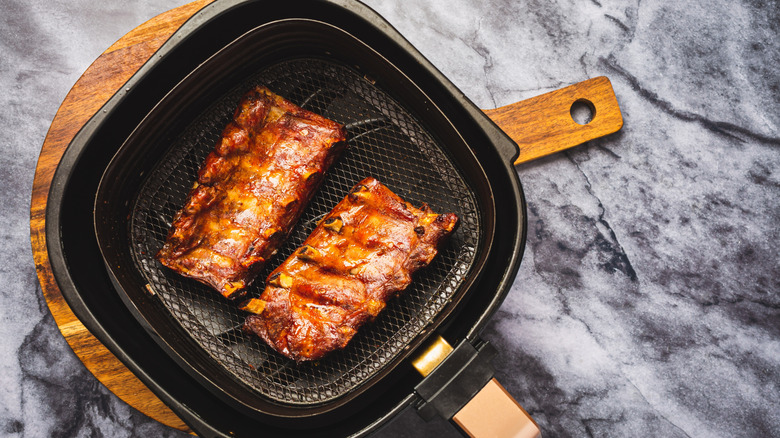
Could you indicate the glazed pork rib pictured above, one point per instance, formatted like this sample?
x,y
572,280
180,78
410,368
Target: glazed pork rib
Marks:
x,y
360,255
250,191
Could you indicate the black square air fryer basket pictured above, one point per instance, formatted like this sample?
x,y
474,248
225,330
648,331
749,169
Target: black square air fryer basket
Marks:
x,y
408,126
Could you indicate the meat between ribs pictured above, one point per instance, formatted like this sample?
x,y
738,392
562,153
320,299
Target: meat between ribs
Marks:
x,y
250,191
360,255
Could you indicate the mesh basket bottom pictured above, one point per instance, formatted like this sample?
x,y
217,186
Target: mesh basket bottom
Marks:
x,y
386,142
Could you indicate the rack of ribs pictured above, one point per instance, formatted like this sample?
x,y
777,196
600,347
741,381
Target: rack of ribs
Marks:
x,y
250,191
360,255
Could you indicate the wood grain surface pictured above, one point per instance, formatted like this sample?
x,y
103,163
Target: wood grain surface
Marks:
x,y
540,125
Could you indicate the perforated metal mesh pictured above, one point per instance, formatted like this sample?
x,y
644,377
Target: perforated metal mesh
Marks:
x,y
385,142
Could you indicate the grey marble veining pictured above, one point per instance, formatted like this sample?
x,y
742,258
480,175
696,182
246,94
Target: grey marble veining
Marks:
x,y
648,300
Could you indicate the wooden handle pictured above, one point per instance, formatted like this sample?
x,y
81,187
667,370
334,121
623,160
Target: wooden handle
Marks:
x,y
493,412
543,125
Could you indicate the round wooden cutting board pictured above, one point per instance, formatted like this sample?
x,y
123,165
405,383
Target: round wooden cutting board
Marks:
x,y
540,126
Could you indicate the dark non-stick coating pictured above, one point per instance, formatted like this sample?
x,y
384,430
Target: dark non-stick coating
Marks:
x,y
461,138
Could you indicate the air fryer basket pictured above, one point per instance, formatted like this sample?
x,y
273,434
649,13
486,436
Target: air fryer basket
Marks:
x,y
397,133
385,141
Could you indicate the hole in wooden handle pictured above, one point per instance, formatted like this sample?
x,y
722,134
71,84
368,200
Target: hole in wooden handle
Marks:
x,y
493,412
582,111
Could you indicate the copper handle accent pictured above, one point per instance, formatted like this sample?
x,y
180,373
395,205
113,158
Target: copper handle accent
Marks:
x,y
492,412
543,125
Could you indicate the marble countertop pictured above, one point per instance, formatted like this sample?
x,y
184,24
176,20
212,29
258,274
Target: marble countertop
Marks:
x,y
648,300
